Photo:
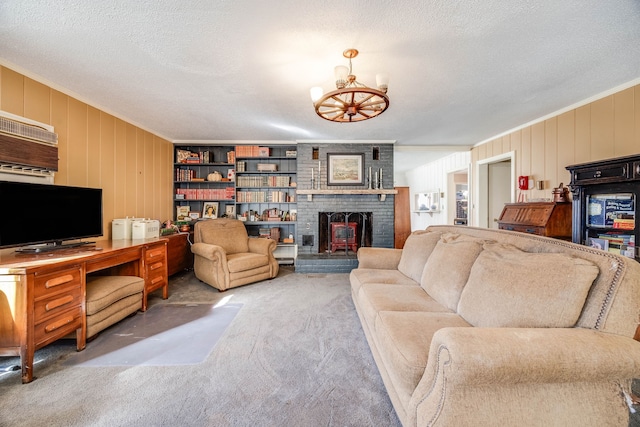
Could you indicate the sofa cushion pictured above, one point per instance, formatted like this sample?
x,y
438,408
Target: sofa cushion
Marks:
x,y
552,294
376,297
447,269
360,276
246,261
415,253
404,339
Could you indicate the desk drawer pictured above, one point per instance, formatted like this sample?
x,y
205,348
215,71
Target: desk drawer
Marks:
x,y
523,229
57,282
58,326
54,304
155,253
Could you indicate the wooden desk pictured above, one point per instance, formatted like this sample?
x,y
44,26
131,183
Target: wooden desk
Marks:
x,y
551,219
42,296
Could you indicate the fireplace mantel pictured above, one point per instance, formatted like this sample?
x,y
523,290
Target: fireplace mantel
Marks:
x,y
381,193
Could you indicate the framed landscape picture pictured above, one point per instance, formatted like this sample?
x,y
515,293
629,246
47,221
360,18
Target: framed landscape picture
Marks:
x,y
345,169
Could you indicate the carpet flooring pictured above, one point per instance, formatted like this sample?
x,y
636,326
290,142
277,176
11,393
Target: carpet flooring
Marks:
x,y
166,334
294,355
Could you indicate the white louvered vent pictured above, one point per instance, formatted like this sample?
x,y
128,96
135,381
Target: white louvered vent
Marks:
x,y
28,131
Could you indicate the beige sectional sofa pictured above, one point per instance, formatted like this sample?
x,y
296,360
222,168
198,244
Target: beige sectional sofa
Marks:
x,y
482,327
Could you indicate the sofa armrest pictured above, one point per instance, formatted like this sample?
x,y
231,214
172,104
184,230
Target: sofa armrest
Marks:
x,y
213,253
262,246
381,258
563,364
517,355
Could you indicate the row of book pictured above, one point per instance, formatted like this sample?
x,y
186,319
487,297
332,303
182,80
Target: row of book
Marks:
x,y
206,193
264,181
195,157
622,244
264,197
251,151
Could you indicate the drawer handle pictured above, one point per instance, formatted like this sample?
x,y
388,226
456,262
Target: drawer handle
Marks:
x,y
60,323
156,266
530,230
58,302
156,280
57,281
155,253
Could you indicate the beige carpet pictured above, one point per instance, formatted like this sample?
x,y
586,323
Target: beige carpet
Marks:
x,y
295,355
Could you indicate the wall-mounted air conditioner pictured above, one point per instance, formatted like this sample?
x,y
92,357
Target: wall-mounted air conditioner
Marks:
x,y
27,147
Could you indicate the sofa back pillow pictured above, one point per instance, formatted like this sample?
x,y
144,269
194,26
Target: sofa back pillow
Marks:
x,y
415,253
511,288
447,270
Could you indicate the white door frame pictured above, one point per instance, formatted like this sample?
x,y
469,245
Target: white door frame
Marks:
x,y
481,187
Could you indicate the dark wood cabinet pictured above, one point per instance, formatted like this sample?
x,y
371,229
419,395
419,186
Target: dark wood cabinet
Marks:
x,y
179,256
605,204
551,219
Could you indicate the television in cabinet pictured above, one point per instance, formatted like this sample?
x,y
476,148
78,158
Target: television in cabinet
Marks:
x,y
605,205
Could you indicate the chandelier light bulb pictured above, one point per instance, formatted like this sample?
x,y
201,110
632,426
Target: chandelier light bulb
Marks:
x,y
316,93
382,81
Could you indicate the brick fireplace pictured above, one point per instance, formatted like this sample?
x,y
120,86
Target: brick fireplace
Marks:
x,y
312,232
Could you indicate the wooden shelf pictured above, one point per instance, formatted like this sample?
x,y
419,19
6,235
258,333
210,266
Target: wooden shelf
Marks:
x,y
381,193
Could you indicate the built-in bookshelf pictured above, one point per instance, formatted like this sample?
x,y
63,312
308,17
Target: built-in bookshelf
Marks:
x,y
266,190
255,184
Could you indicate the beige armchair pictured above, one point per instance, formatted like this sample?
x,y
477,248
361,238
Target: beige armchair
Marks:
x,y
225,256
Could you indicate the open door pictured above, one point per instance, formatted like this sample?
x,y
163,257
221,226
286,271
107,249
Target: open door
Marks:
x,y
495,186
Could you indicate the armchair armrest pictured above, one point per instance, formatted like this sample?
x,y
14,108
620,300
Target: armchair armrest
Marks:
x,y
211,252
262,246
381,258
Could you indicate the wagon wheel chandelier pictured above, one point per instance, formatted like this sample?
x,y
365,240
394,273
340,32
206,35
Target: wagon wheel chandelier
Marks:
x,y
351,101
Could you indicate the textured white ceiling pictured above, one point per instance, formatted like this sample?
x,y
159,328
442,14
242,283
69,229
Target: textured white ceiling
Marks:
x,y
461,71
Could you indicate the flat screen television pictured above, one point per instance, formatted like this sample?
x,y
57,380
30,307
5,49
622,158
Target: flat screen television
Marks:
x,y
41,217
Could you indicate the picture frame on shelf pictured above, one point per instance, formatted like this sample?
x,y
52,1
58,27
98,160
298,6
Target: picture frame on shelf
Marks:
x,y
210,210
345,168
194,215
182,212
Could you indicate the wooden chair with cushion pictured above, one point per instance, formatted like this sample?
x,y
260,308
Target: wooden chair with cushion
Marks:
x,y
225,256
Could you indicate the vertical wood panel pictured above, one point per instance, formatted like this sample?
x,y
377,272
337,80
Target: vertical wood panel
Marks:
x,y
140,172
131,202
636,107
93,147
60,122
120,176
566,141
107,172
526,152
582,151
624,132
551,152
37,101
77,143
148,172
12,92
602,128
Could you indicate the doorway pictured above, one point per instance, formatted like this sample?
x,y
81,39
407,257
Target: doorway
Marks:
x,y
495,187
457,197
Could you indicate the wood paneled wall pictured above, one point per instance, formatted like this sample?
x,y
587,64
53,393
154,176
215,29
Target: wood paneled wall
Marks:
x,y
132,166
606,128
